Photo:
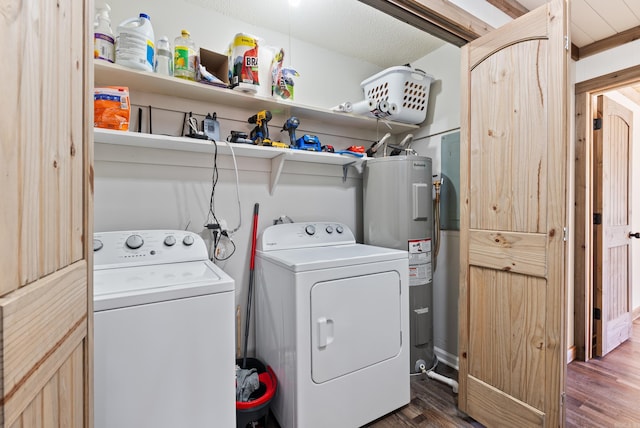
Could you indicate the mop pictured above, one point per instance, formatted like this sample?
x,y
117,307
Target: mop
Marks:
x,y
251,280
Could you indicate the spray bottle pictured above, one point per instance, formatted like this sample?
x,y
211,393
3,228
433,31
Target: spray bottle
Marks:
x,y
103,40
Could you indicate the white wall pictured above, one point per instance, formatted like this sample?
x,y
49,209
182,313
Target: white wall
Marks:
x,y
616,59
317,84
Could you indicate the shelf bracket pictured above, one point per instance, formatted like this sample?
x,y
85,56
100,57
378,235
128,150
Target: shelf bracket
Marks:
x,y
277,163
345,169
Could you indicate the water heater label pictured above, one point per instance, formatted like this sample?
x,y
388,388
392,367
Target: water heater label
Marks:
x,y
419,261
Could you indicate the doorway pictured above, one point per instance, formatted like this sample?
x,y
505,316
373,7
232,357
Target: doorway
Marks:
x,y
590,326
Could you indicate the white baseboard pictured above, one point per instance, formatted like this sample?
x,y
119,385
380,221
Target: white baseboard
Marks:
x,y
636,313
452,360
446,358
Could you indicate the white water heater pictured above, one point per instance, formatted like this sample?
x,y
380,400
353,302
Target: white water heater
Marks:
x,y
398,213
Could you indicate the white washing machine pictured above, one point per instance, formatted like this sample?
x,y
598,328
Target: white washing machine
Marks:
x,y
332,321
163,332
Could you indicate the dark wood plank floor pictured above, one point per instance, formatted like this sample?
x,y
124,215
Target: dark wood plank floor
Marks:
x,y
604,392
433,404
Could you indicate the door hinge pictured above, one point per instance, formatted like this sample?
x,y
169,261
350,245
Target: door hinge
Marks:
x,y
596,314
597,124
563,396
597,218
565,233
566,43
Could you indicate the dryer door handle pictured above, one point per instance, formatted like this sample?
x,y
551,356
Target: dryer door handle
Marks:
x,y
325,332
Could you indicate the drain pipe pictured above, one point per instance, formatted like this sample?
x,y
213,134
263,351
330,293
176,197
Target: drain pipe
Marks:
x,y
433,375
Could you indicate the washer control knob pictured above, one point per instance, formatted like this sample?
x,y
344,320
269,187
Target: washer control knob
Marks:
x,y
188,240
97,245
170,241
310,229
134,242
329,229
339,229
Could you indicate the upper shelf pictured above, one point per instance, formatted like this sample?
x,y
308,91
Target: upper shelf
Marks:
x,y
113,74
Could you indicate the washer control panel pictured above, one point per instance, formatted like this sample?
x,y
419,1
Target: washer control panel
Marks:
x,y
300,235
146,247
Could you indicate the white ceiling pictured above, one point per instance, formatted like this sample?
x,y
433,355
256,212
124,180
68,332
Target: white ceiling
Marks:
x,y
593,20
345,26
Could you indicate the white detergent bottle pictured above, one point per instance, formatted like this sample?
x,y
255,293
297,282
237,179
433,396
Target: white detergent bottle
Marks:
x,y
134,44
103,38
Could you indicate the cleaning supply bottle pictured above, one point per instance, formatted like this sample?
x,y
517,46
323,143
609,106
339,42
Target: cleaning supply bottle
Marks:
x,y
164,57
103,39
185,57
134,44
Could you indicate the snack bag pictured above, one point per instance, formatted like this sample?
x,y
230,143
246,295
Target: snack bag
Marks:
x,y
282,78
111,108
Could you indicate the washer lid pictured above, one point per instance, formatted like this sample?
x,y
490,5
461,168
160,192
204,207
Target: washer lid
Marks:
x,y
121,287
305,259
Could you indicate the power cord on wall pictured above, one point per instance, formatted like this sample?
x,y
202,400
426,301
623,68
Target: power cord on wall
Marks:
x,y
220,236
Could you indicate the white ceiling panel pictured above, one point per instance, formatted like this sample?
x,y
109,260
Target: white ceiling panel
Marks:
x,y
616,14
580,37
587,17
594,20
634,6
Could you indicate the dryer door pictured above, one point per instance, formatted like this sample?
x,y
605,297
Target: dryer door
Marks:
x,y
355,322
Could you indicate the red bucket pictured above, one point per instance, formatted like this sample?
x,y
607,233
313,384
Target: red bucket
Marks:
x,y
258,405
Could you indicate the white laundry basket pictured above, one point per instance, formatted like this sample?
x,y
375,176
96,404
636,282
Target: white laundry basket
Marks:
x,y
403,86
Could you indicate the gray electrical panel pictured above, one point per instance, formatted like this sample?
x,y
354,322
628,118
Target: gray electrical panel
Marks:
x,y
450,190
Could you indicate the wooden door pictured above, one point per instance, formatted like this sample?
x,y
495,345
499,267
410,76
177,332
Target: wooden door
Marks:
x,y
514,165
45,213
612,253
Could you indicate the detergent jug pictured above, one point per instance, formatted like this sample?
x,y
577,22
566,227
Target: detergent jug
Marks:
x,y
185,57
134,44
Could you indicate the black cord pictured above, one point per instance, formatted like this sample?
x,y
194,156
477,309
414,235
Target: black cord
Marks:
x,y
212,221
230,254
214,181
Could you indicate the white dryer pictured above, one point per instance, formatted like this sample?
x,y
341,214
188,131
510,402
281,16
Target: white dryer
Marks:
x,y
332,321
163,332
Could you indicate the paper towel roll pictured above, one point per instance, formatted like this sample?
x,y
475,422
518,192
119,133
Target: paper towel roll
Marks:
x,y
363,107
345,107
383,107
265,59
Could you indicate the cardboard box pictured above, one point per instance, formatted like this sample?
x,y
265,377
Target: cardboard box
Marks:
x,y
216,64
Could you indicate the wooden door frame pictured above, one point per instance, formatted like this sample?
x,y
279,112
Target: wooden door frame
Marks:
x,y
583,285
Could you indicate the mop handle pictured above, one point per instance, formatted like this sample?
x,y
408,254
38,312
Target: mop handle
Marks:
x,y
253,238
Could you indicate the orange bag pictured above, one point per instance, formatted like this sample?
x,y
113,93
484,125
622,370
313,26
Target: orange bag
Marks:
x,y
111,108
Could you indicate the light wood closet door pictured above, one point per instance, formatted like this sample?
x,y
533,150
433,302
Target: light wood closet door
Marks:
x,y
46,204
513,179
612,264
